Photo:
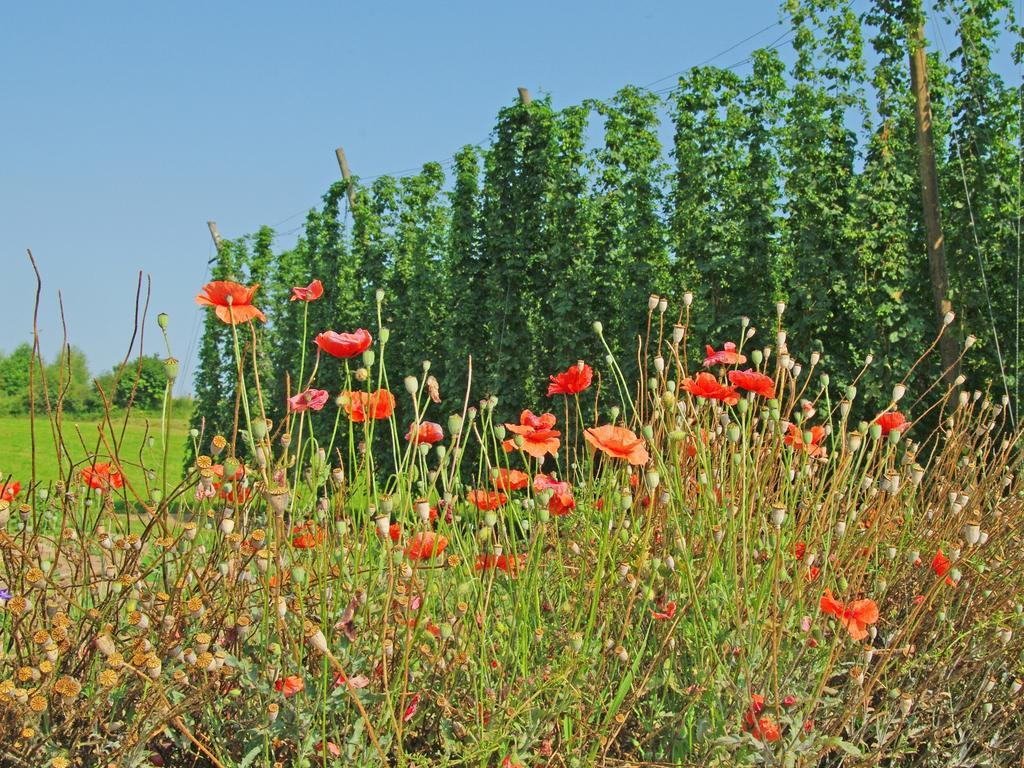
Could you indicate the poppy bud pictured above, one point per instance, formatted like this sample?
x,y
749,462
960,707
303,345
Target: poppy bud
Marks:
x,y
193,433
379,295
598,327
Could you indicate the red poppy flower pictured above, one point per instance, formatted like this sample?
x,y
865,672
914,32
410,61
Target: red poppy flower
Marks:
x,y
940,563
9,491
726,356
344,344
668,613
307,536
330,748
231,301
101,477
811,574
290,685
752,381
572,381
395,532
486,501
425,545
562,501
510,480
311,399
855,616
799,549
311,292
892,420
234,494
428,432
411,709
359,405
618,442
795,438
707,386
510,564
539,439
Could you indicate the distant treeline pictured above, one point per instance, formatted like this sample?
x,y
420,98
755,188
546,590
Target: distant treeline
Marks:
x,y
796,183
142,383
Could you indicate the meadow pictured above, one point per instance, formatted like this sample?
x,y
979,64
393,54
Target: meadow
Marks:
x,y
139,444
727,561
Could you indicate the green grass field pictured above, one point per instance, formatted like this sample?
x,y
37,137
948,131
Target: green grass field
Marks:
x,y
140,446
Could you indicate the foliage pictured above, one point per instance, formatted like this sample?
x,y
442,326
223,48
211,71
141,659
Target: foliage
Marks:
x,y
702,575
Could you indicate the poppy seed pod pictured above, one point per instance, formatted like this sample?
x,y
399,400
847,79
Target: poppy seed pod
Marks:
x,y
898,392
171,368
662,305
906,704
412,385
972,533
778,515
688,298
780,308
948,318
678,332
598,327
652,302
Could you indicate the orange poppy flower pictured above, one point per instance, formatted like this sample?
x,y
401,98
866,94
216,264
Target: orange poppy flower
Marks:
x,y
668,613
855,616
725,356
562,501
290,685
231,301
539,439
707,386
941,565
307,536
510,480
428,433
344,344
572,381
618,443
9,490
311,292
892,420
425,545
359,405
101,477
752,381
795,438
486,501
510,564
763,727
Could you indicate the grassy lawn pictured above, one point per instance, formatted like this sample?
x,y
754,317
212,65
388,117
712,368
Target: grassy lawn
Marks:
x,y
140,446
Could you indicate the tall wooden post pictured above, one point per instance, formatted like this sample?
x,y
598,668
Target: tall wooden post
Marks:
x,y
524,97
937,273
216,238
346,175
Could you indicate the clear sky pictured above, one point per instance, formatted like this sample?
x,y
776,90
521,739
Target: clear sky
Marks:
x,y
126,125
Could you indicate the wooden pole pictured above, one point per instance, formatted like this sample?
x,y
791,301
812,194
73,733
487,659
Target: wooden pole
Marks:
x,y
524,97
932,212
346,175
216,237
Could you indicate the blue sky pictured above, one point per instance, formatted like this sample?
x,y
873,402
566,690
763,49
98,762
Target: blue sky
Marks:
x,y
127,125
